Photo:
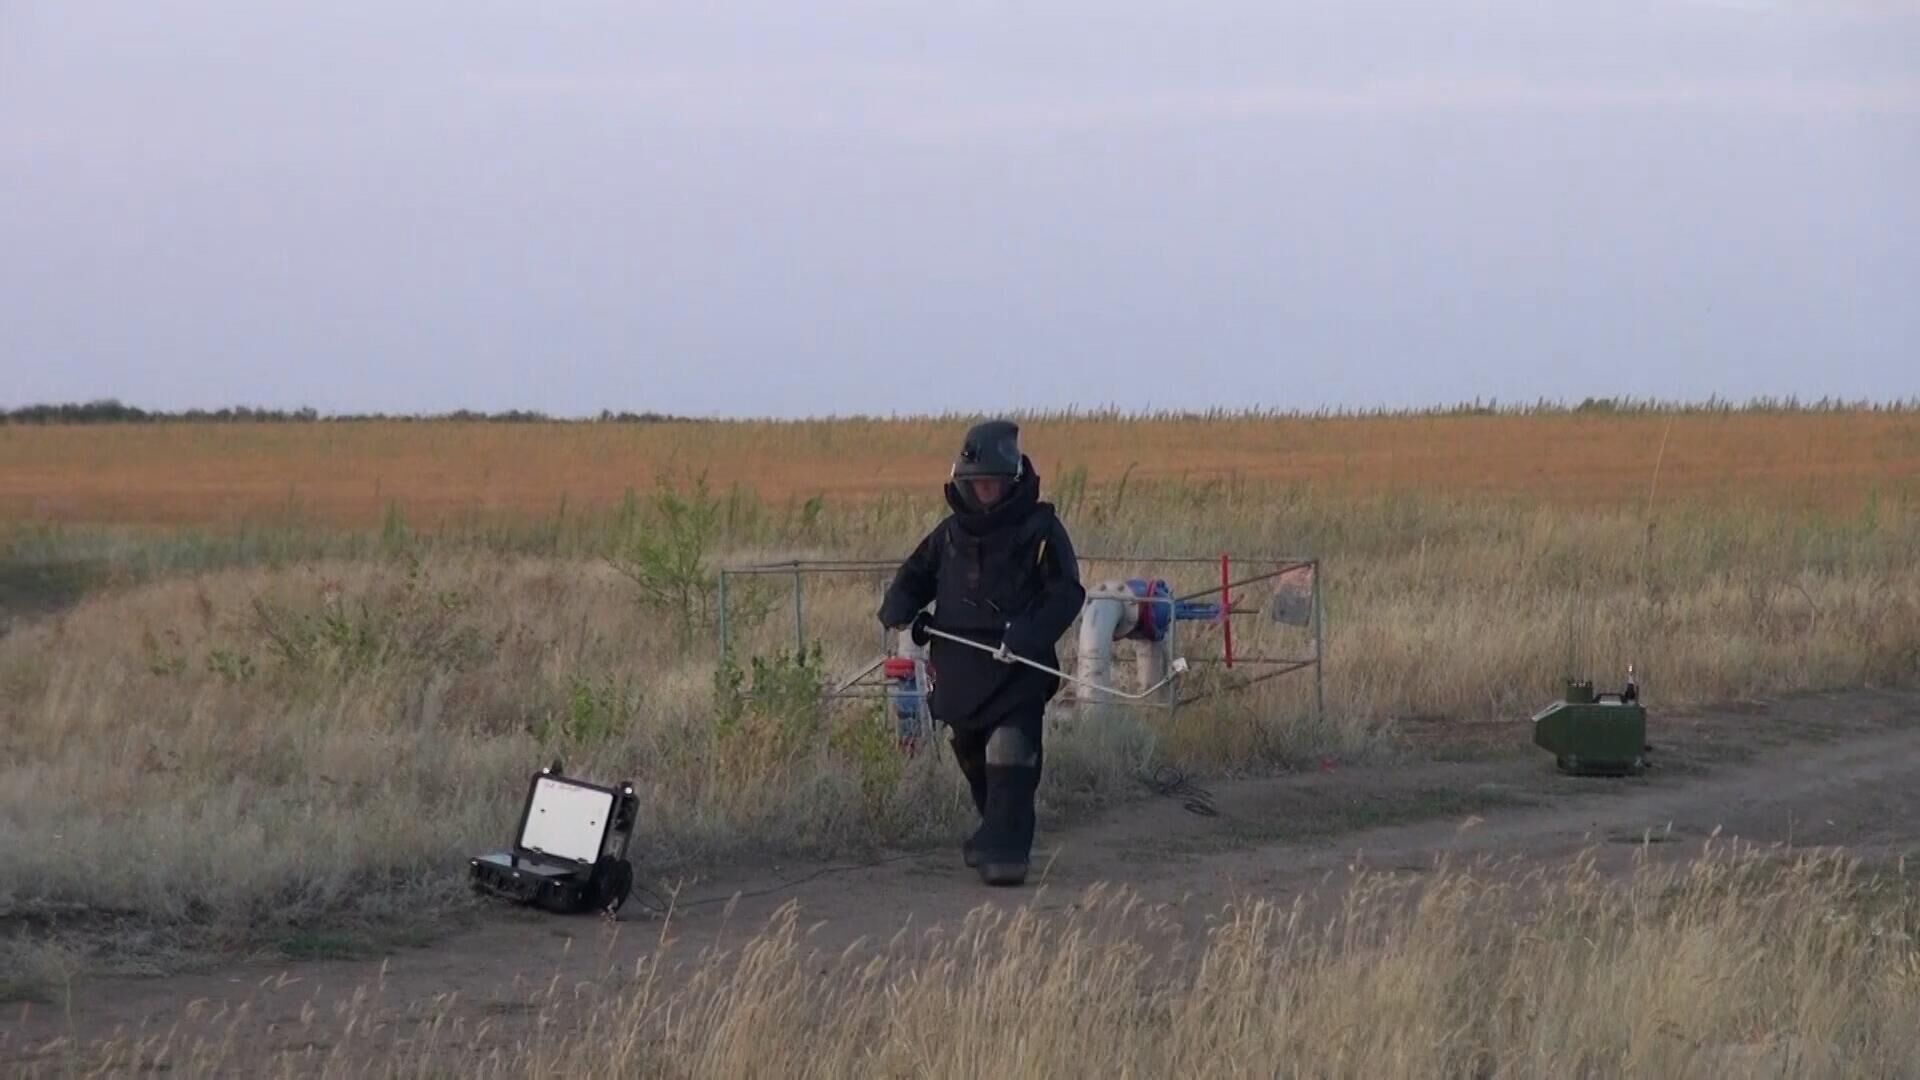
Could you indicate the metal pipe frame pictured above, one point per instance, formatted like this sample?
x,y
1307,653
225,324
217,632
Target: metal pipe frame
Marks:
x,y
1280,566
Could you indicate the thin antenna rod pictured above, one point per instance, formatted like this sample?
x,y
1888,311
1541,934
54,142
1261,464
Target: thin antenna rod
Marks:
x,y
1573,606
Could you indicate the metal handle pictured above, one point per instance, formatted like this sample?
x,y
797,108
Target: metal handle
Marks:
x,y
1004,655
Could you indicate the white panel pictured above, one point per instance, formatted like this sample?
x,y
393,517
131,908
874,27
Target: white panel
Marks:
x,y
566,820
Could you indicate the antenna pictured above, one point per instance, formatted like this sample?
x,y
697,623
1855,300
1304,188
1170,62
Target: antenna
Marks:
x,y
1574,640
1573,602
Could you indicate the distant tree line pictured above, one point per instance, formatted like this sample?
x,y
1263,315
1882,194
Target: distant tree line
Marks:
x,y
110,411
114,412
1625,406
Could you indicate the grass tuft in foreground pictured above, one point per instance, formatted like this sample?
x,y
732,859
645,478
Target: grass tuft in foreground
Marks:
x,y
1737,963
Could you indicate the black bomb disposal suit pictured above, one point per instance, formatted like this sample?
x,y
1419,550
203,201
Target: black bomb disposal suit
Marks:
x,y
1002,574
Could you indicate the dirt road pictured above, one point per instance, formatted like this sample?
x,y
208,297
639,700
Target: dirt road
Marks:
x,y
1816,770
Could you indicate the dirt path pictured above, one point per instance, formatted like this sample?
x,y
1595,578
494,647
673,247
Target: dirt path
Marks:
x,y
1815,770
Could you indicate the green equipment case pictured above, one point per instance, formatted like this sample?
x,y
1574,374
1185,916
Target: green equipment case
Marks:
x,y
1594,734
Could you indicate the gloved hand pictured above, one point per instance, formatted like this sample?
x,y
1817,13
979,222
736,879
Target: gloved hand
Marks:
x,y
1019,638
918,627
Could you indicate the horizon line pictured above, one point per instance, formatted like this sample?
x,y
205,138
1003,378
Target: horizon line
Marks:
x,y
112,410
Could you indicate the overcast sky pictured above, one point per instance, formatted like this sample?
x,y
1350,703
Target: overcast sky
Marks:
x,y
955,205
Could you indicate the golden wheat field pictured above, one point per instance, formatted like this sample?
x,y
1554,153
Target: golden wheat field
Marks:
x,y
349,473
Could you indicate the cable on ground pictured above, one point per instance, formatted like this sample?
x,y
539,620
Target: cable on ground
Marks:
x,y
656,904
1166,781
1170,782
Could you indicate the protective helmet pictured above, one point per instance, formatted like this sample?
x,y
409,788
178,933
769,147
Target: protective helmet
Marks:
x,y
991,448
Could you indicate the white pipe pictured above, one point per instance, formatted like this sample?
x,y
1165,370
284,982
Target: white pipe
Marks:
x,y
1150,662
1100,623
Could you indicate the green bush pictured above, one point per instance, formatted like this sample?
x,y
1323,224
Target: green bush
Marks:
x,y
414,626
669,558
591,712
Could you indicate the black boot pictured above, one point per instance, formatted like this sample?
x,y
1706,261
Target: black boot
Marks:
x,y
1006,840
970,750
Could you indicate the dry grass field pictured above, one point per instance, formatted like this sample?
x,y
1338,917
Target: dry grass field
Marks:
x,y
1733,965
263,687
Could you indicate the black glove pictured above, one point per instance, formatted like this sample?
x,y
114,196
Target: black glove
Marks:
x,y
1020,639
919,626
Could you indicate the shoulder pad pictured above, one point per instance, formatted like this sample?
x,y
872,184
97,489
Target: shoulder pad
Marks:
x,y
1040,523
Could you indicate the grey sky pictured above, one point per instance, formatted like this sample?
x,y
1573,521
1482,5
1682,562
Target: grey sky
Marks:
x,y
928,206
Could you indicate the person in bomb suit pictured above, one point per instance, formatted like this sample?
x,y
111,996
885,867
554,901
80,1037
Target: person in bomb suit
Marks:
x,y
1000,570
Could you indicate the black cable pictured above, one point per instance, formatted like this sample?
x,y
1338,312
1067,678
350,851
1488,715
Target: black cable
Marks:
x,y
659,905
1171,783
1166,781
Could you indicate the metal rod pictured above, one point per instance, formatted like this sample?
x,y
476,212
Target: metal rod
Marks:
x,y
1173,642
799,619
1179,667
1226,608
861,674
723,613
856,693
1068,699
1286,668
856,566
1285,563
1224,586
1249,682
1319,653
1254,661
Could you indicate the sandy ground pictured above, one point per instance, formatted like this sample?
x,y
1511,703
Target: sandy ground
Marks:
x,y
1814,770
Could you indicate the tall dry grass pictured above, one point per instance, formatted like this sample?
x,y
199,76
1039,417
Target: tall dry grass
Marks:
x,y
239,742
1738,963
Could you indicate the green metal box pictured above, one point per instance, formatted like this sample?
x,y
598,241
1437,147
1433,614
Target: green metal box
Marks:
x,y
1594,735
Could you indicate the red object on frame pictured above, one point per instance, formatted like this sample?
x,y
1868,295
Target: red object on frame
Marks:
x,y
1226,612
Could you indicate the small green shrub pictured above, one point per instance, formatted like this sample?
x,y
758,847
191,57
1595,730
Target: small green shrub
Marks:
x,y
591,712
868,741
413,626
785,691
763,726
232,667
669,558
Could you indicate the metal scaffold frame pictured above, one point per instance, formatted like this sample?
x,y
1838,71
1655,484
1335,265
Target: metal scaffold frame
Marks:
x,y
1229,605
